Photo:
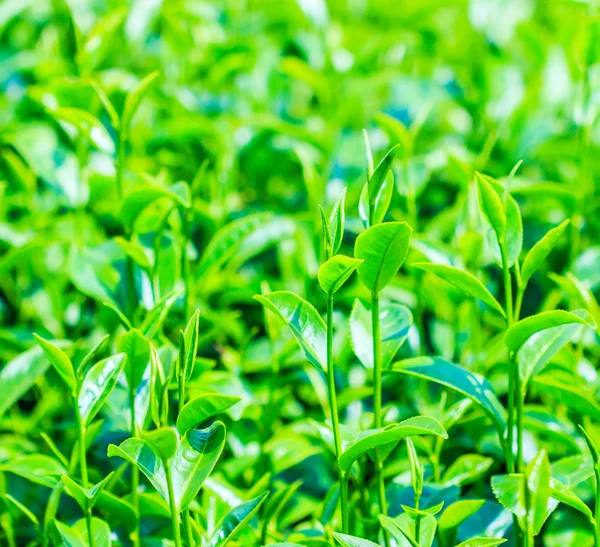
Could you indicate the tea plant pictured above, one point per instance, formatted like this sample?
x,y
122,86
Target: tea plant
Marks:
x,y
299,274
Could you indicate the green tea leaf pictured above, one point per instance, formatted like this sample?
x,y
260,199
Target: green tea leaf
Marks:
x,y
538,478
97,385
520,332
337,221
571,396
351,541
163,442
134,99
540,251
36,468
377,179
194,460
440,371
419,425
457,513
137,348
235,520
383,249
202,408
60,361
395,321
336,271
462,280
141,197
491,206
85,497
19,375
304,321
190,339
467,469
482,542
562,494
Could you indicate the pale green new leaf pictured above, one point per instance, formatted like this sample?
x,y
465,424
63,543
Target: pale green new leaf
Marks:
x,y
97,385
190,338
491,206
304,321
383,249
419,425
457,513
60,361
37,468
85,497
395,321
202,408
520,332
163,441
351,541
234,521
134,99
482,542
336,271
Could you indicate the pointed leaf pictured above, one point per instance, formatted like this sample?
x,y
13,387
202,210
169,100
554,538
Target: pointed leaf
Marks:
x,y
377,179
440,371
482,542
419,425
336,223
462,280
97,385
538,484
395,321
540,251
304,321
36,468
351,541
235,520
59,360
202,408
190,338
457,513
137,348
336,271
383,249
491,206
518,334
134,99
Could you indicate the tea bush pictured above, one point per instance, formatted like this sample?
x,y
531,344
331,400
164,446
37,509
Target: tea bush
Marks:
x,y
308,272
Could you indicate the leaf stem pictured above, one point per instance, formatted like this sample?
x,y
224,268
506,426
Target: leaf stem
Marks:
x,y
135,473
597,506
377,397
174,512
83,468
334,414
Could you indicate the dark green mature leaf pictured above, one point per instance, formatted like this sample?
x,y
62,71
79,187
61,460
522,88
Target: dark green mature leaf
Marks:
x,y
518,334
335,272
97,385
60,361
462,280
383,249
540,251
395,321
142,196
419,425
234,521
471,385
36,468
202,408
304,321
20,374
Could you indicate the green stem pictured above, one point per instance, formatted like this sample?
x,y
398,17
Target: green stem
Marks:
x,y
511,368
334,414
418,520
135,474
120,163
174,512
377,398
520,400
83,469
597,508
187,521
185,264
